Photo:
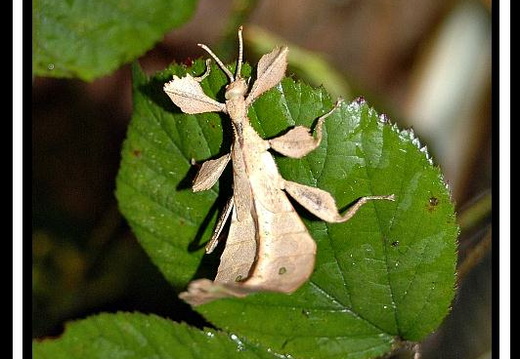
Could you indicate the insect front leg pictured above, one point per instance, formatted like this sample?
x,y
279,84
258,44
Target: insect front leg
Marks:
x,y
299,141
213,242
206,73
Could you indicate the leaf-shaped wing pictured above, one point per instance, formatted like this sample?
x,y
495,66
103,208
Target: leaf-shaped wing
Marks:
x,y
189,96
240,251
270,71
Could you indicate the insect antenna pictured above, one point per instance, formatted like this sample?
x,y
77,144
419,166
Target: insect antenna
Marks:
x,y
240,53
219,62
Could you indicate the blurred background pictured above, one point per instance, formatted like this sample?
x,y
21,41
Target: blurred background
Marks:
x,y
426,64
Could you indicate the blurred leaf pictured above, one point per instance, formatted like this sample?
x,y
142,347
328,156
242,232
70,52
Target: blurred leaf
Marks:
x,y
68,280
386,275
135,335
89,39
309,65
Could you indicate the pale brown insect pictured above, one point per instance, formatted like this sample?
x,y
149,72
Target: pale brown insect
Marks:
x,y
268,248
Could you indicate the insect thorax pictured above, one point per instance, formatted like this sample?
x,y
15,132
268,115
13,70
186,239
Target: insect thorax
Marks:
x,y
235,100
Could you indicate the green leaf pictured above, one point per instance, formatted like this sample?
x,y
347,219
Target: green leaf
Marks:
x,y
384,277
135,335
89,39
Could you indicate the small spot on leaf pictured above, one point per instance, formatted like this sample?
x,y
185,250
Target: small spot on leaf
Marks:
x,y
432,203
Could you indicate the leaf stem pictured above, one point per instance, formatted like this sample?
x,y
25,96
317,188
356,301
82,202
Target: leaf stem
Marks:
x,y
479,208
474,256
471,221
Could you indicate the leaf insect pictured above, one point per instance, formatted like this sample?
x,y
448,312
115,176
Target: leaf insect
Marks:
x,y
268,248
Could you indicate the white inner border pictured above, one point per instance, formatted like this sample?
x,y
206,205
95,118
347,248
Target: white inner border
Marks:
x,y
504,224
